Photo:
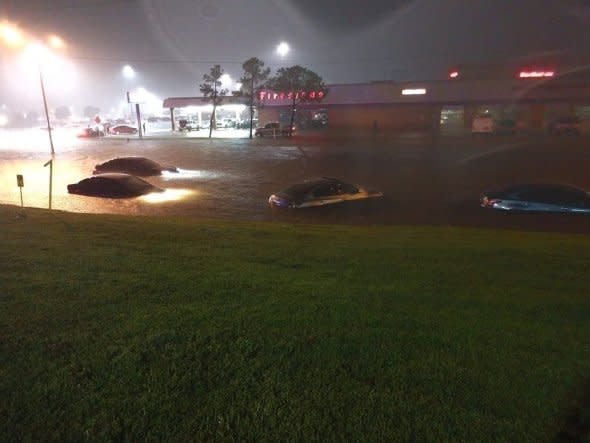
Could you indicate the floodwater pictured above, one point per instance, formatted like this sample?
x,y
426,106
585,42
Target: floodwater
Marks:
x,y
425,180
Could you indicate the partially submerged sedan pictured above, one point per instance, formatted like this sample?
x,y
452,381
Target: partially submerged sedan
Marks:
x,y
538,198
113,186
140,166
319,192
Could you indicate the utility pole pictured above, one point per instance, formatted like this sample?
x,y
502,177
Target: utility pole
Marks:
x,y
46,114
138,113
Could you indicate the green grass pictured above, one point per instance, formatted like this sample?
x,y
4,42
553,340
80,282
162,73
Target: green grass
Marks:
x,y
115,328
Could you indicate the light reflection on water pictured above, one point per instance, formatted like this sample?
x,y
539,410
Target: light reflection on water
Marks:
x,y
187,174
169,195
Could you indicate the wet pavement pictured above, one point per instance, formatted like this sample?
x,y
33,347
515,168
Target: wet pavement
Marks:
x,y
425,180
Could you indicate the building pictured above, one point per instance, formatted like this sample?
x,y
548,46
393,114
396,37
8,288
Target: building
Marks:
x,y
532,96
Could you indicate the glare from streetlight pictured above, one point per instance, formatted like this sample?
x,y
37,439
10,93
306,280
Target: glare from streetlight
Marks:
x,y
128,72
11,36
283,49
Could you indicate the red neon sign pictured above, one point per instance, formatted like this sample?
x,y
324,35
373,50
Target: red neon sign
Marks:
x,y
274,96
536,74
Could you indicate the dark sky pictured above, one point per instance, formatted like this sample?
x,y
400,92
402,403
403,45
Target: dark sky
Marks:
x,y
171,43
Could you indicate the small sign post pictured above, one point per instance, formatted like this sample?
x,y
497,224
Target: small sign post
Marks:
x,y
20,183
50,163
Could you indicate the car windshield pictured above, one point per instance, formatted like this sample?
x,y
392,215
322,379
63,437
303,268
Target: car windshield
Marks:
x,y
295,220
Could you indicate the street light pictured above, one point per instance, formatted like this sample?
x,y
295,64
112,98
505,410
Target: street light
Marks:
x,y
226,81
283,49
11,36
56,42
128,72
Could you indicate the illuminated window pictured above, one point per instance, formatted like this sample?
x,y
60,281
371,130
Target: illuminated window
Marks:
x,y
416,91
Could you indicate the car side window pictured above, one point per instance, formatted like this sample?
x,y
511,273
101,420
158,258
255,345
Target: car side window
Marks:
x,y
536,195
346,188
553,197
324,190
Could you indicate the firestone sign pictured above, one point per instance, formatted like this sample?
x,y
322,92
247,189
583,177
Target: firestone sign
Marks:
x,y
274,96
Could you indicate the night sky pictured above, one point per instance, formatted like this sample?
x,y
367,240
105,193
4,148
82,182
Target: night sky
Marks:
x,y
171,43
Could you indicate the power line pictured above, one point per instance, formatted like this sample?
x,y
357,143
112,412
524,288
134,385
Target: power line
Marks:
x,y
18,6
234,62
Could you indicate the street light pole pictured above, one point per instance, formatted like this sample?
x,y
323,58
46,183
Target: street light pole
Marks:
x,y
46,112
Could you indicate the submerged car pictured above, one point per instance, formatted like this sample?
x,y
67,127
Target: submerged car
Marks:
x,y
123,129
141,166
113,186
319,192
538,198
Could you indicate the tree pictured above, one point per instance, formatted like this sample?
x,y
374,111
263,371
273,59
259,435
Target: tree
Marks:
x,y
252,80
91,111
62,112
212,92
298,83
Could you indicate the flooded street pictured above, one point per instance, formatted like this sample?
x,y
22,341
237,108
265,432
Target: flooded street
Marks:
x,y
425,180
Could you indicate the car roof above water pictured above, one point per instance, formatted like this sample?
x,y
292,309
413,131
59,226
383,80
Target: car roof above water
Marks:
x,y
307,186
516,189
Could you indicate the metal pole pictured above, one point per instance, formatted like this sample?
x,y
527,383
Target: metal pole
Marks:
x,y
46,115
21,197
50,163
138,119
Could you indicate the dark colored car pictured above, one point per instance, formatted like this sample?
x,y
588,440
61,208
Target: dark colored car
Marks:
x,y
113,186
90,133
319,192
566,126
272,129
538,198
141,166
505,126
123,129
187,125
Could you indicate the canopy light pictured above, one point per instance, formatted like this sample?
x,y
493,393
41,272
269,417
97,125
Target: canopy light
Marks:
x,y
454,74
417,91
536,74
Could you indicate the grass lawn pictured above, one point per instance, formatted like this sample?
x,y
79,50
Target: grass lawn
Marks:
x,y
115,328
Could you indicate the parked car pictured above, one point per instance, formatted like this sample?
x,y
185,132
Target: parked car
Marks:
x,y
272,129
123,129
483,124
113,185
187,125
566,126
90,133
539,198
139,166
319,192
505,126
